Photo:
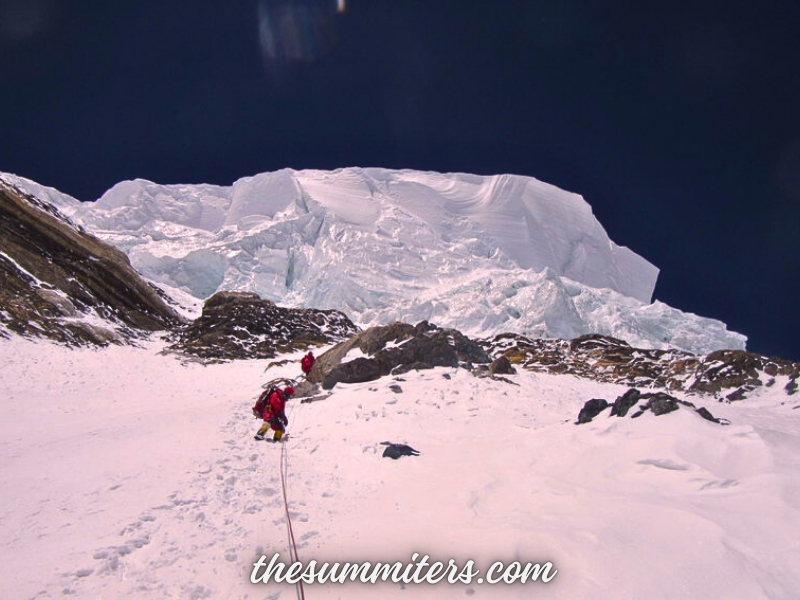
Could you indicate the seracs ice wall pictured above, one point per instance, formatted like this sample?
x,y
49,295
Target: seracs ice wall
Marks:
x,y
485,254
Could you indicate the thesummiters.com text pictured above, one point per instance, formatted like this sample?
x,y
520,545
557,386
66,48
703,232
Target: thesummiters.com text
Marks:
x,y
418,570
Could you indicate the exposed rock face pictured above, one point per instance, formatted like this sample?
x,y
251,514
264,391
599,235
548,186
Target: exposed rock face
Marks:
x,y
658,403
591,409
704,412
395,349
305,389
501,366
731,374
354,371
625,402
59,282
661,404
739,370
243,325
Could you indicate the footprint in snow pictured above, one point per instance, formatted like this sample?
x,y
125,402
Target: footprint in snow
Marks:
x,y
197,593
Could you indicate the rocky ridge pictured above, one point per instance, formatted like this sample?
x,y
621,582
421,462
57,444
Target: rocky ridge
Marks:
x,y
59,282
728,375
658,403
393,350
239,325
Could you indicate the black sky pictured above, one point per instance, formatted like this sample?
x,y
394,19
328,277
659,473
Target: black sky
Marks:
x,y
678,122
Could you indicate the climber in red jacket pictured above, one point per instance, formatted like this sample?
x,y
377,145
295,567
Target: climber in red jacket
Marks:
x,y
271,406
307,362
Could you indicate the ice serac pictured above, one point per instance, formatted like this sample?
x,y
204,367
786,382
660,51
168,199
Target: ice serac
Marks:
x,y
484,254
538,226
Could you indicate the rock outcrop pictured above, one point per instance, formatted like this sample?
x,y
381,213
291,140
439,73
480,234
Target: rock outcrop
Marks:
x,y
625,402
395,349
61,283
726,374
236,325
591,409
501,366
658,403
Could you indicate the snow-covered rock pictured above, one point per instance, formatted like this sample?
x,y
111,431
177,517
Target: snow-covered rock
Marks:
x,y
729,375
395,349
240,325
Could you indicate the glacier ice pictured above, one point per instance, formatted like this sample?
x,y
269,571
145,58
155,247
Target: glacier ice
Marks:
x,y
484,254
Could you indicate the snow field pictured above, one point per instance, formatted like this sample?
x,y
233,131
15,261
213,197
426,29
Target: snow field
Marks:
x,y
126,473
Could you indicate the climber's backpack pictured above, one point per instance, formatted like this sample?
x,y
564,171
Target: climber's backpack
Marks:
x,y
261,403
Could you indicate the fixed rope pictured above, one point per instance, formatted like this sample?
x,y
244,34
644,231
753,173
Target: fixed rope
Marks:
x,y
293,555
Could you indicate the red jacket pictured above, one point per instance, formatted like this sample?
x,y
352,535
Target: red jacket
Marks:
x,y
277,403
307,363
274,405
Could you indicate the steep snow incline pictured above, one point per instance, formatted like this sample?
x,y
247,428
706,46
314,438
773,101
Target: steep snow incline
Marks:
x,y
484,254
148,484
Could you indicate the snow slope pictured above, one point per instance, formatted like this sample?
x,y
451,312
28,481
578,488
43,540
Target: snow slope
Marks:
x,y
148,484
482,254
65,203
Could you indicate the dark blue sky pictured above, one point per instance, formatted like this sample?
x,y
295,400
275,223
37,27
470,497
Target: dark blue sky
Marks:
x,y
678,122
